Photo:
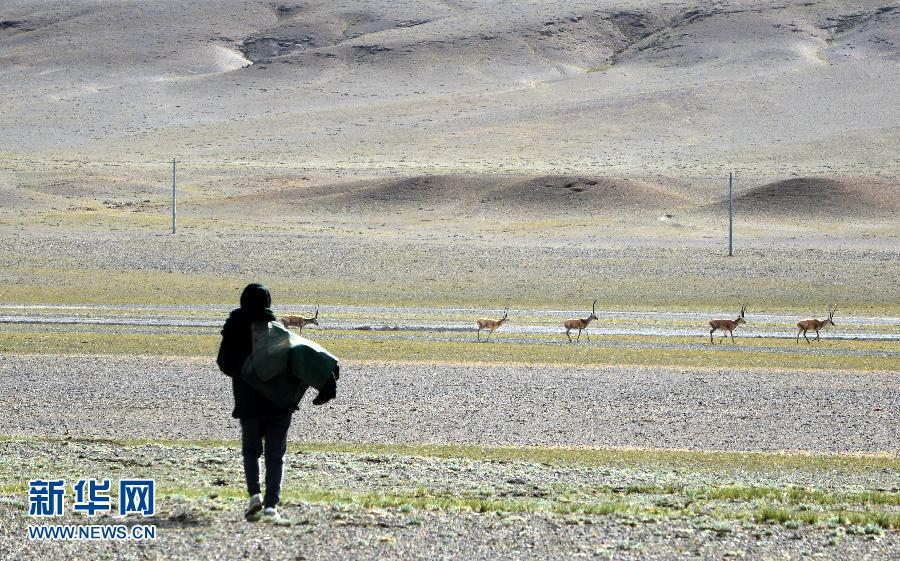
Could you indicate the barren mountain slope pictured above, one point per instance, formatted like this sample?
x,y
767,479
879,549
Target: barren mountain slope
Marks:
x,y
423,87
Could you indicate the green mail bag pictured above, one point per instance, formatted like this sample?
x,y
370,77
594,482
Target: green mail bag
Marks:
x,y
283,364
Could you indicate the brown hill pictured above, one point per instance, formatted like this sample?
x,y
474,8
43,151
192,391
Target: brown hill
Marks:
x,y
469,194
818,196
583,194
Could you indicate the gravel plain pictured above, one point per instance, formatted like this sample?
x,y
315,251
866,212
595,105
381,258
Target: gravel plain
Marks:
x,y
439,268
330,532
671,512
188,398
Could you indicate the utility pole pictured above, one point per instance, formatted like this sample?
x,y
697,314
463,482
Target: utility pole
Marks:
x,y
730,217
174,197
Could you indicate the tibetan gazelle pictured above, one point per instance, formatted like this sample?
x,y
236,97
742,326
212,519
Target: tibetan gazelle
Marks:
x,y
727,326
491,324
300,321
814,325
580,324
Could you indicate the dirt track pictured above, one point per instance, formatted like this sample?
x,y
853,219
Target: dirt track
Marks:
x,y
644,407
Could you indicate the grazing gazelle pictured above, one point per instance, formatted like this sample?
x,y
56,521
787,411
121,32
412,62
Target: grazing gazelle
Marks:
x,y
491,324
726,325
580,324
300,321
815,325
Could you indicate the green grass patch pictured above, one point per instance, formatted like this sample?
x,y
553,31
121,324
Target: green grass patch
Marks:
x,y
764,505
425,499
799,496
772,514
143,344
785,516
416,499
550,354
45,285
693,460
31,280
365,347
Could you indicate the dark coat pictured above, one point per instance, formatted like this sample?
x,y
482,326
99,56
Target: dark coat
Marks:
x,y
236,346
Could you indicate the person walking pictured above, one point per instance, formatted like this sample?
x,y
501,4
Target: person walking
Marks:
x,y
264,425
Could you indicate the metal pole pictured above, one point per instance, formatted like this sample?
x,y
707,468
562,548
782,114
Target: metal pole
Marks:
x,y
730,217
174,198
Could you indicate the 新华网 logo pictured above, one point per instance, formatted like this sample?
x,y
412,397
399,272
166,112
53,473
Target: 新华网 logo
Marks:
x,y
47,498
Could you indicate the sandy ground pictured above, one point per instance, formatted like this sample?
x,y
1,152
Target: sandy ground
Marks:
x,y
642,407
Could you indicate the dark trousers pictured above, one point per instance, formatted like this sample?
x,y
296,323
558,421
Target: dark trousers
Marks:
x,y
273,431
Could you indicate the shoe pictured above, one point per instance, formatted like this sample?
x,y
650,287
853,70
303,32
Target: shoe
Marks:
x,y
327,393
253,507
271,514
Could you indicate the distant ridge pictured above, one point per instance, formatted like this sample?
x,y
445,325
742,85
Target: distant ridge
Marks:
x,y
821,197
